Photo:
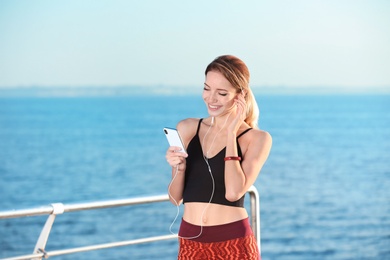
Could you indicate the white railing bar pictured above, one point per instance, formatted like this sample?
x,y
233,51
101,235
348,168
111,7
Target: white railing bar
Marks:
x,y
93,247
110,245
47,210
24,257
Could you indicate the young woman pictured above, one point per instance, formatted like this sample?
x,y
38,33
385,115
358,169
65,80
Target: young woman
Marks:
x,y
225,153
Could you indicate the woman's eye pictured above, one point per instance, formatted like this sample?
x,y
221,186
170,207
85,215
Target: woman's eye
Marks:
x,y
224,94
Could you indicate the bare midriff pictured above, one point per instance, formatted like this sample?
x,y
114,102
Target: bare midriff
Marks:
x,y
210,214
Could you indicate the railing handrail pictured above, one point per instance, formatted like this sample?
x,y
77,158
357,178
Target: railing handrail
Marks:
x,y
49,209
59,208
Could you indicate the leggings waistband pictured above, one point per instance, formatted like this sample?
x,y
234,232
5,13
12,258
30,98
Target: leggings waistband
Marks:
x,y
218,233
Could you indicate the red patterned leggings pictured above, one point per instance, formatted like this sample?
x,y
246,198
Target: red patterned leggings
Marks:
x,y
233,241
244,248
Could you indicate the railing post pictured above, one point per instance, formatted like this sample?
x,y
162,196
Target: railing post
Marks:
x,y
255,213
58,208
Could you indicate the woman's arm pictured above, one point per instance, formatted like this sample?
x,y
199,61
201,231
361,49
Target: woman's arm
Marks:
x,y
177,160
239,177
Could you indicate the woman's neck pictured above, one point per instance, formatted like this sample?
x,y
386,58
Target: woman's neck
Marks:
x,y
220,121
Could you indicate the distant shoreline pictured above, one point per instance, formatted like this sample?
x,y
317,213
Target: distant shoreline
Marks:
x,y
164,90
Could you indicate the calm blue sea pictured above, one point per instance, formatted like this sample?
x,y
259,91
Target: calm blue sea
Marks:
x,y
325,190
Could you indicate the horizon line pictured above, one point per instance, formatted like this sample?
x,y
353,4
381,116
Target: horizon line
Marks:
x,y
161,89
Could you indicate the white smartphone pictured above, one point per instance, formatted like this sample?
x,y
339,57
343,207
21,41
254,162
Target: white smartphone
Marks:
x,y
174,138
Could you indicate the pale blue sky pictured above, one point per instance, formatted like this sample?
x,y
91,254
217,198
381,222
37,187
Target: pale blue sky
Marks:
x,y
170,42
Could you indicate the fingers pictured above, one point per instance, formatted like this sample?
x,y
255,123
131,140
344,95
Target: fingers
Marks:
x,y
241,99
174,149
241,105
175,156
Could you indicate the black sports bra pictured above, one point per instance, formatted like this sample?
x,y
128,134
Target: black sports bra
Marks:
x,y
198,184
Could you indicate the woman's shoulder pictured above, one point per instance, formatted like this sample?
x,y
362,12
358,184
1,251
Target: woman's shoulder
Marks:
x,y
187,127
256,143
188,123
259,136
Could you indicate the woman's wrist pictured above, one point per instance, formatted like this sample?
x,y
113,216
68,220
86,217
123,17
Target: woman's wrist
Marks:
x,y
179,168
231,135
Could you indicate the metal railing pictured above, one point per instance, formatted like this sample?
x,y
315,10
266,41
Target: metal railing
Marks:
x,y
58,208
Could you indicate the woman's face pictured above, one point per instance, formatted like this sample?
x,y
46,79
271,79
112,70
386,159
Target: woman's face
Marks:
x,y
218,94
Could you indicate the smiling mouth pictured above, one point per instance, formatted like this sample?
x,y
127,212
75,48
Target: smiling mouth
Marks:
x,y
213,107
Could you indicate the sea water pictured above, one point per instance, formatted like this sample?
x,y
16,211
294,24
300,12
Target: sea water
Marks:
x,y
324,189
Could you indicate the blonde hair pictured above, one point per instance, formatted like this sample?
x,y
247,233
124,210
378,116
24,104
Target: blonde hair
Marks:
x,y
237,73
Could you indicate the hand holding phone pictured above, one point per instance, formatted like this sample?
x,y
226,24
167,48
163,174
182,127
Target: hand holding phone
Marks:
x,y
174,138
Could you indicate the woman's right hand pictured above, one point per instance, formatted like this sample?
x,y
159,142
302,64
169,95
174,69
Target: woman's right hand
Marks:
x,y
175,157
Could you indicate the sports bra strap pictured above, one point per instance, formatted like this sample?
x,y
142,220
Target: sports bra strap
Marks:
x,y
197,130
246,130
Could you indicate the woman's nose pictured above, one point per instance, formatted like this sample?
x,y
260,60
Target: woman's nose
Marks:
x,y
213,97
